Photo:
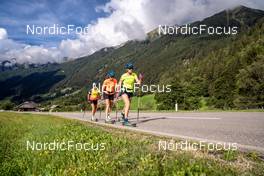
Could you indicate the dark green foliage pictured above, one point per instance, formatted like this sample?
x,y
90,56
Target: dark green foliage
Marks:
x,y
25,87
250,86
231,77
7,105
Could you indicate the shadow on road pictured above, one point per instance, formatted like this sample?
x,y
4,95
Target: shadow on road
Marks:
x,y
145,119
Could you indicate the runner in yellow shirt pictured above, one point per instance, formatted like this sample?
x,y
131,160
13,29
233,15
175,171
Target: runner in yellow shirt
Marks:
x,y
127,83
93,97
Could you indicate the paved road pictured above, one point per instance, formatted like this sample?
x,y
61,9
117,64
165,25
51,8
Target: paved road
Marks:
x,y
244,128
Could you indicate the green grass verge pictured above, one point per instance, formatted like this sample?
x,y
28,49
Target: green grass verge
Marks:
x,y
126,153
146,102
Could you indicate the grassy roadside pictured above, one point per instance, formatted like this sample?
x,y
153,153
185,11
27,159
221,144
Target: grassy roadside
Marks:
x,y
126,153
198,111
147,103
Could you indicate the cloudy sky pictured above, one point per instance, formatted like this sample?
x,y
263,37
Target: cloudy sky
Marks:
x,y
109,22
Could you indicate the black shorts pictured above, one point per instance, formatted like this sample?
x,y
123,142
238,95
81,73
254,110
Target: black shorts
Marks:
x,y
95,102
128,93
108,96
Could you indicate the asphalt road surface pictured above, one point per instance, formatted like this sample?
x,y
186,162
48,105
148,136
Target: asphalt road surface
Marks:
x,y
244,128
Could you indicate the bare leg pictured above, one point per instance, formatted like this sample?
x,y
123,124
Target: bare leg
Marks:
x,y
127,104
93,109
107,107
110,106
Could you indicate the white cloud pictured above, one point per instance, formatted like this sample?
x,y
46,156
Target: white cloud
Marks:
x,y
34,54
22,53
3,34
126,20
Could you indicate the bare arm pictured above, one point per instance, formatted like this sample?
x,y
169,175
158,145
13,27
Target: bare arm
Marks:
x,y
138,81
88,96
104,88
119,85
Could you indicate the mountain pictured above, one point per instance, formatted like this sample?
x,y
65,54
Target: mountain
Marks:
x,y
226,78
162,59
